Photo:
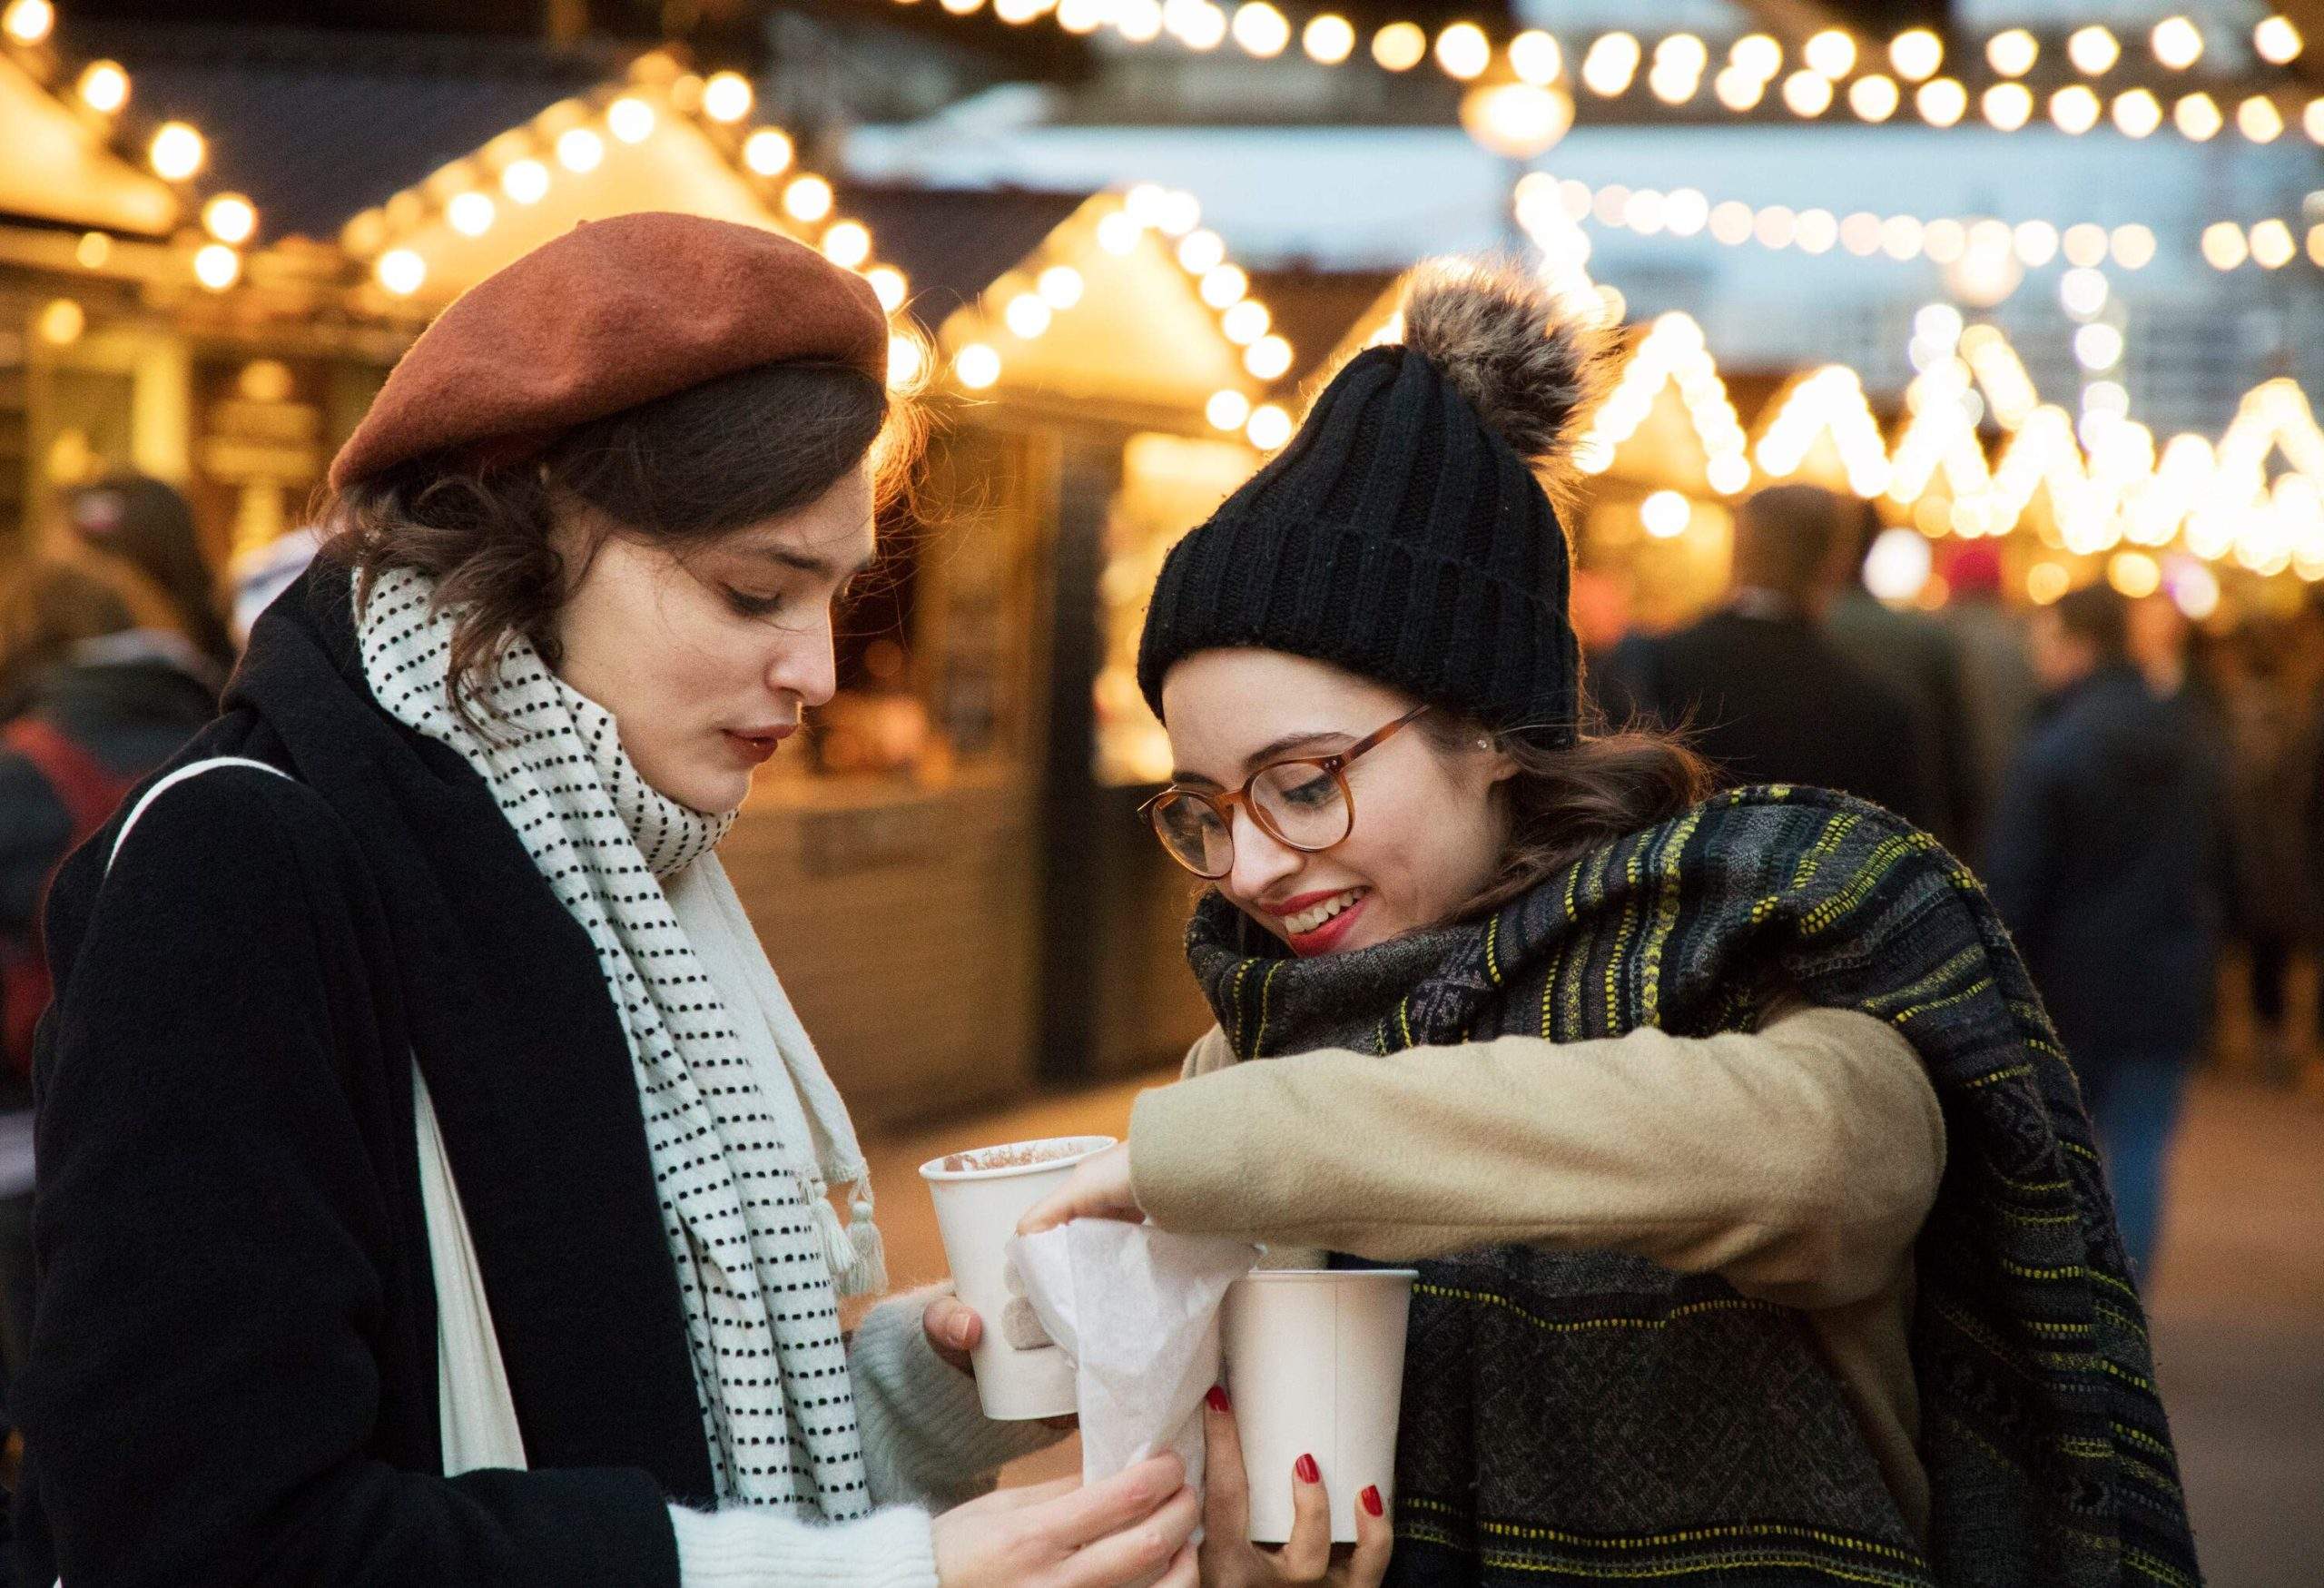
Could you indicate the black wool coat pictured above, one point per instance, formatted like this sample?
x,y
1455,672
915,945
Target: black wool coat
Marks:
x,y
233,1372
1771,700
2107,860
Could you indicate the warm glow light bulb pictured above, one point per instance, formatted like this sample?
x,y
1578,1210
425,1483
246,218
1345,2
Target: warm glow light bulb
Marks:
x,y
2277,40
525,181
888,282
2075,109
847,244
230,218
28,21
2008,106
631,118
1831,52
977,366
2013,53
1941,101
2137,113
726,96
1873,97
1227,409
1328,39
1808,92
1060,286
2259,119
217,266
1917,53
808,198
1611,63
1028,316
2178,43
1464,50
580,151
470,213
1534,56
2196,116
2094,50
401,271
1261,30
767,152
1400,46
177,151
104,86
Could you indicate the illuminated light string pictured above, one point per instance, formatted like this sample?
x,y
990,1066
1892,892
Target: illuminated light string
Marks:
x,y
175,150
1832,68
1686,213
1173,218
559,145
2109,485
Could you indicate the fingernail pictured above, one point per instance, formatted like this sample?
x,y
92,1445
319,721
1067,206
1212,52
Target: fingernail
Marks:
x,y
1217,1399
1371,1498
1309,1473
960,1331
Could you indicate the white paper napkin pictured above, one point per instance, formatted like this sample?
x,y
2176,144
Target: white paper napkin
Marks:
x,y
1137,1309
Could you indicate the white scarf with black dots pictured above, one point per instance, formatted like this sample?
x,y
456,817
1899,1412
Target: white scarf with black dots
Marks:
x,y
745,1127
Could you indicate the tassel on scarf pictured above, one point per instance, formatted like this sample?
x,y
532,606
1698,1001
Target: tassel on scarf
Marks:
x,y
853,1249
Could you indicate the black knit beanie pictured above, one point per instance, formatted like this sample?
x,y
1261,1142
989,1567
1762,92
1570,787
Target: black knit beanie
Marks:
x,y
1403,534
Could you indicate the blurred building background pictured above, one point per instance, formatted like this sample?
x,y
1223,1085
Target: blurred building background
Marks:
x,y
2040,283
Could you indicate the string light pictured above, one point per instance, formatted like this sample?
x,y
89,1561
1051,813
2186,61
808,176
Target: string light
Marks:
x,y
847,244
1227,409
28,21
726,96
1269,429
1400,46
2035,243
2137,113
977,366
2094,50
401,271
2178,43
177,152
1535,57
1917,53
580,151
230,218
889,285
1808,94
2259,119
2197,116
631,118
2007,106
1873,97
1328,39
2013,53
2075,109
471,214
1941,101
1610,66
807,198
2277,40
217,266
525,181
768,152
103,87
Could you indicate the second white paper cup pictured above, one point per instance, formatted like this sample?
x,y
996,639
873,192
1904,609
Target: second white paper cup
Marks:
x,y
1315,1366
980,1196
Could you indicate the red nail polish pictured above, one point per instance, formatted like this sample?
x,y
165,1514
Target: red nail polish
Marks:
x,y
1309,1473
1218,1399
1371,1498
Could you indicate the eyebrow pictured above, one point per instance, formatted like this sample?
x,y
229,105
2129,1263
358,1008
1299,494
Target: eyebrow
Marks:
x,y
807,563
1269,752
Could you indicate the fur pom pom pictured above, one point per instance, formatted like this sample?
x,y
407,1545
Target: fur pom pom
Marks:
x,y
1527,364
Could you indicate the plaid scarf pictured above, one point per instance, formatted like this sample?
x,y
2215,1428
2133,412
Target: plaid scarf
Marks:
x,y
1596,1417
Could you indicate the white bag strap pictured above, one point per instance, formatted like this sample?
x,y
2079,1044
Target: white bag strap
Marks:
x,y
476,1410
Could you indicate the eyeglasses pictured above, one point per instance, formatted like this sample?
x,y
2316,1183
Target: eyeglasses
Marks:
x,y
1302,803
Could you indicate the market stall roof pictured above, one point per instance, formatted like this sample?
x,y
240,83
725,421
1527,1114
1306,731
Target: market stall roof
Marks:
x,y
311,129
62,166
1317,309
953,243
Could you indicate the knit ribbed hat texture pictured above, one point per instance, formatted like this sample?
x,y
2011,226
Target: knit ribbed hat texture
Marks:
x,y
1401,535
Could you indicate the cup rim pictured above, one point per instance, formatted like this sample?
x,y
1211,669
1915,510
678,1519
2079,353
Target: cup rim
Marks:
x,y
1319,1276
934,1172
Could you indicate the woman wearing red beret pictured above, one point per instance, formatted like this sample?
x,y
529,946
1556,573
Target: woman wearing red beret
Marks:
x,y
432,1171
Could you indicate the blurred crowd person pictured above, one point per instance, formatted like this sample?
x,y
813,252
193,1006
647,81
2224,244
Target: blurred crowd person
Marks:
x,y
1759,685
1999,693
1912,655
2108,860
111,656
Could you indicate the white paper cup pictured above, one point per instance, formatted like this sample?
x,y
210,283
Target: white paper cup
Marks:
x,y
980,1196
1315,1366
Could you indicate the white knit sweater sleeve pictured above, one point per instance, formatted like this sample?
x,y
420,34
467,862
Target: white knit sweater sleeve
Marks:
x,y
926,1441
749,1548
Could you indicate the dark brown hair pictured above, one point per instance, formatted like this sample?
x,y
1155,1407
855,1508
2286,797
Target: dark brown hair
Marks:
x,y
1566,802
680,471
148,526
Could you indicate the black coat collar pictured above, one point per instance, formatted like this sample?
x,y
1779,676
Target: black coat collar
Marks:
x,y
526,1059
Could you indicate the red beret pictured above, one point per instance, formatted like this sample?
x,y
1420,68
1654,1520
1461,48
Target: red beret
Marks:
x,y
614,313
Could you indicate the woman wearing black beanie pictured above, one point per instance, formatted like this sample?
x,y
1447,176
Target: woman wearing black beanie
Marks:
x,y
1759,1234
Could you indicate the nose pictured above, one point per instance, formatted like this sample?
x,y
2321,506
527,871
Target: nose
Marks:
x,y
806,663
1260,861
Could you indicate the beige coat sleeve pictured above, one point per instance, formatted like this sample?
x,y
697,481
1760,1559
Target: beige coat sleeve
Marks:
x,y
1798,1161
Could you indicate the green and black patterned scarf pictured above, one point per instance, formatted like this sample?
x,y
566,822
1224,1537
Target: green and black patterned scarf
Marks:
x,y
1596,1417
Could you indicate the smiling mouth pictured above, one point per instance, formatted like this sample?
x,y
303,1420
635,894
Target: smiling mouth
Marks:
x,y
1316,916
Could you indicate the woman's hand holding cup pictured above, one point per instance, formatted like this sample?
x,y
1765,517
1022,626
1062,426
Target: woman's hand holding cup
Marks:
x,y
1229,1560
1099,1188
1063,1534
